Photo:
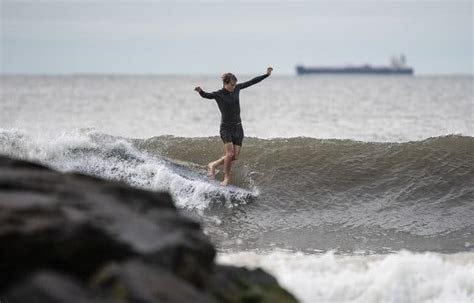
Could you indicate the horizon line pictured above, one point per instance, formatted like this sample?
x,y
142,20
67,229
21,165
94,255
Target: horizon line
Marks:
x,y
205,74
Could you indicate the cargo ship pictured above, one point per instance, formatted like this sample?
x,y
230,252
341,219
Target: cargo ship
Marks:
x,y
397,67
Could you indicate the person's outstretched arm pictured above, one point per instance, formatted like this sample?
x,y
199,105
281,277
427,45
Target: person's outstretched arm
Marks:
x,y
255,80
204,94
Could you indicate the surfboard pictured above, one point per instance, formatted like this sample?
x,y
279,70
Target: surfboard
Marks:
x,y
229,187
190,172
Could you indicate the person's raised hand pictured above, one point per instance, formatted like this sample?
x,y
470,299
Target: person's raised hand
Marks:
x,y
269,70
198,89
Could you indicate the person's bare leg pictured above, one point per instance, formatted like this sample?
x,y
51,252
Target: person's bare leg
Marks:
x,y
213,165
236,151
229,155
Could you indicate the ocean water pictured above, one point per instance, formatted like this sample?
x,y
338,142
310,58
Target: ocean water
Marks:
x,y
357,189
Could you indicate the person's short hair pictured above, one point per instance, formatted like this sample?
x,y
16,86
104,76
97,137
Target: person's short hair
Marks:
x,y
227,77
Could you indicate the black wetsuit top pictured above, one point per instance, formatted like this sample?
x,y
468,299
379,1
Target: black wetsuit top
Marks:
x,y
228,102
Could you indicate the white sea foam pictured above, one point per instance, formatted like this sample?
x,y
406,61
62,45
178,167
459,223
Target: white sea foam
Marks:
x,y
400,277
91,152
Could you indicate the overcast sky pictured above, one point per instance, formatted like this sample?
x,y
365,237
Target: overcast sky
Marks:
x,y
203,37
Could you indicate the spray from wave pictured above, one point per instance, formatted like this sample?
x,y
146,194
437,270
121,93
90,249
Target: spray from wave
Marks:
x,y
91,152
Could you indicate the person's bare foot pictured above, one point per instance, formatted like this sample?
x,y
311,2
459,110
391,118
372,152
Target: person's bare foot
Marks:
x,y
225,182
211,170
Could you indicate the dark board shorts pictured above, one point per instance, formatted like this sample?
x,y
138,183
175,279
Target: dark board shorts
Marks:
x,y
232,133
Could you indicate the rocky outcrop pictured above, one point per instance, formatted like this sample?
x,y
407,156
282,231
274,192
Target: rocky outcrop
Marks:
x,y
76,238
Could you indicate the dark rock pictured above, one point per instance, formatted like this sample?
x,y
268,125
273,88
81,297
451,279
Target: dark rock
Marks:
x,y
80,226
234,284
48,219
47,287
136,281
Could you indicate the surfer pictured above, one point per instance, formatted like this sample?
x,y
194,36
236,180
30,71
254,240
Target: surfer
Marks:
x,y
231,131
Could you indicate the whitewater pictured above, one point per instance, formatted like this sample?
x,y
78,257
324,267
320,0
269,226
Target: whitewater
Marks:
x,y
357,189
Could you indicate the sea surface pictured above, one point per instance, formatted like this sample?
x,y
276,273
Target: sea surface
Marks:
x,y
355,188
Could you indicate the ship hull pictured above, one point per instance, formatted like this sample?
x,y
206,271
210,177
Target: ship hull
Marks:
x,y
301,70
